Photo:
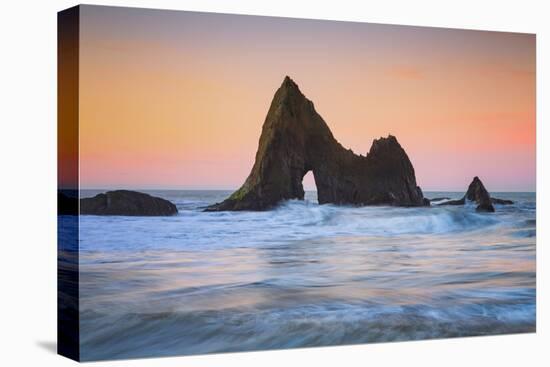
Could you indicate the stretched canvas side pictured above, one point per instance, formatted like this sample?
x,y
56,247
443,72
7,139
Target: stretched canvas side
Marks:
x,y
68,337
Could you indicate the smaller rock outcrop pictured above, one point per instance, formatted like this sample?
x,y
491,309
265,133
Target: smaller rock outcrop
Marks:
x,y
125,202
477,193
501,201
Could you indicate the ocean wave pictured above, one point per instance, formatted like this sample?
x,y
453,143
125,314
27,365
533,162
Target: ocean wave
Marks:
x,y
382,220
292,220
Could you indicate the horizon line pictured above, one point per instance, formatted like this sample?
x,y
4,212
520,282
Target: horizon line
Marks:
x,y
235,189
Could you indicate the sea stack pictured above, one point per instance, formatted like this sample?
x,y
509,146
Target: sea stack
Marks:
x,y
477,193
295,140
125,202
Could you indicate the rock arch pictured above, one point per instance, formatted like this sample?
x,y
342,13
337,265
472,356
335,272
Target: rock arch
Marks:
x,y
295,139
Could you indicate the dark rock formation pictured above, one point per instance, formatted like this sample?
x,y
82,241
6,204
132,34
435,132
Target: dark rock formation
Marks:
x,y
295,139
501,201
66,205
124,202
476,192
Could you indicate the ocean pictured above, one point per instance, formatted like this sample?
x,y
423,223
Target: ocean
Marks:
x,y
302,275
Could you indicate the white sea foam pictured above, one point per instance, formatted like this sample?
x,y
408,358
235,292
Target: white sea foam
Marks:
x,y
292,220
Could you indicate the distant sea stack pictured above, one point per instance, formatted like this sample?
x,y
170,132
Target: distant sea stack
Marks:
x,y
125,202
295,140
477,193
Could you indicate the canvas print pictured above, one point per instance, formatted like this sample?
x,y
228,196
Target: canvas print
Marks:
x,y
236,183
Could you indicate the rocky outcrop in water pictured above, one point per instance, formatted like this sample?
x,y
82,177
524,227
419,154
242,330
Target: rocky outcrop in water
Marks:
x,y
477,193
501,201
66,204
125,202
295,140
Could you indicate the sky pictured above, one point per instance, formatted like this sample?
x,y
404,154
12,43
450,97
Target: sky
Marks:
x,y
172,99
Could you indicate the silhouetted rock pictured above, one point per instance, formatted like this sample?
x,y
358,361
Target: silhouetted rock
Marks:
x,y
66,205
501,201
476,192
124,202
295,140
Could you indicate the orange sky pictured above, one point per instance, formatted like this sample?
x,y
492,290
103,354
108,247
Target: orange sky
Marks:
x,y
177,99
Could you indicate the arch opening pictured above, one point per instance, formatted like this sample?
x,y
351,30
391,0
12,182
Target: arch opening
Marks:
x,y
310,187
